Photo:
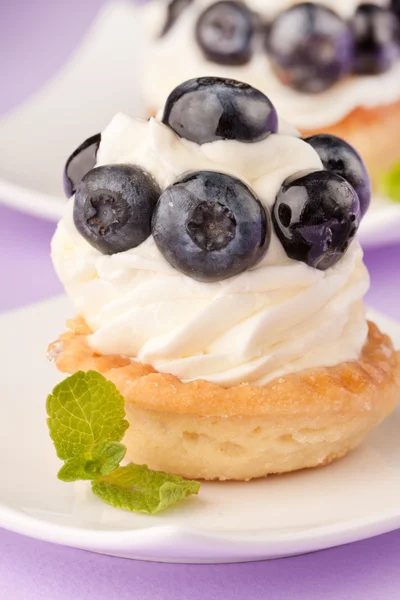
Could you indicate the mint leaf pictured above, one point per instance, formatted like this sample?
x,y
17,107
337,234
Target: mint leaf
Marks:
x,y
138,489
391,183
86,423
74,469
106,457
84,410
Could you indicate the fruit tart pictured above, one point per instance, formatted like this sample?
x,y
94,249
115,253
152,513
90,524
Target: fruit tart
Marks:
x,y
212,260
331,66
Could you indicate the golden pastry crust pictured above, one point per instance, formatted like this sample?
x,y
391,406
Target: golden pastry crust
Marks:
x,y
371,132
202,430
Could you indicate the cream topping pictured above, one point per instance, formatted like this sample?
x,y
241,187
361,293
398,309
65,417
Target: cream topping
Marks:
x,y
281,316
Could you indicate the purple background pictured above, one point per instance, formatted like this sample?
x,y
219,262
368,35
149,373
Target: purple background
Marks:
x,y
35,38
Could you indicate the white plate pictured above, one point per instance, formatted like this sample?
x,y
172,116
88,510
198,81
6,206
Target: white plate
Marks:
x,y
355,498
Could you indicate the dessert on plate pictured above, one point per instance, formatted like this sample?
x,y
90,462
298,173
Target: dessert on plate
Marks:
x,y
330,66
212,260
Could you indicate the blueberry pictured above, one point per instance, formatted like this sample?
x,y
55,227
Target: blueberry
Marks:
x,y
81,161
316,216
210,108
225,31
339,157
174,9
210,226
113,207
376,31
310,47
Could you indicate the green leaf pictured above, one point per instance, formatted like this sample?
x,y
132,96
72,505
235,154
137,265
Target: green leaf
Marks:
x,y
85,410
138,489
108,455
86,423
391,183
74,470
106,458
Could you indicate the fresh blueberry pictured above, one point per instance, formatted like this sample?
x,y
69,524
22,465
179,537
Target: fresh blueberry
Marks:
x,y
376,32
81,161
316,216
113,207
225,31
210,108
174,9
339,157
210,226
310,47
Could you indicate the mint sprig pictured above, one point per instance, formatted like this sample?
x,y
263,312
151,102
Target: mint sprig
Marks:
x,y
390,183
86,423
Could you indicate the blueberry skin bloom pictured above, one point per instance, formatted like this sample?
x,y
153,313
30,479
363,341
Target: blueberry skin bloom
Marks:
x,y
316,216
337,156
376,32
225,31
310,47
81,161
212,108
210,226
113,207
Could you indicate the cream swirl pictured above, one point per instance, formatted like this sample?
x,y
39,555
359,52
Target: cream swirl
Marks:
x,y
177,57
281,316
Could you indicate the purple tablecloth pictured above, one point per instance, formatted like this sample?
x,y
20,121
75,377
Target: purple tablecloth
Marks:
x,y
36,37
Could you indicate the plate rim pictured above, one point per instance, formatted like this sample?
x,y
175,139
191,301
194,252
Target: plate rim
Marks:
x,y
31,202
131,543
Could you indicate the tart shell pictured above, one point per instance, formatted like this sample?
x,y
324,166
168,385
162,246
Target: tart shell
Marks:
x,y
204,431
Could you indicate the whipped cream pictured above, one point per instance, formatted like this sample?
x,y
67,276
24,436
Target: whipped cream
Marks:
x,y
177,57
281,316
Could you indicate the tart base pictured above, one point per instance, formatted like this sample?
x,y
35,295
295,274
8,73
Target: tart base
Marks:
x,y
201,430
372,132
